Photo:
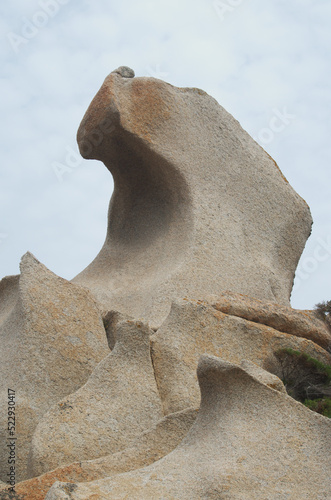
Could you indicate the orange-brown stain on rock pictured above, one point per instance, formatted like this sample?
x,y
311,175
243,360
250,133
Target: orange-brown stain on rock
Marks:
x,y
149,108
37,487
279,170
97,111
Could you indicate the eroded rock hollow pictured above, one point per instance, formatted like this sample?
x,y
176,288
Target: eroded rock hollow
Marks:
x,y
158,372
198,206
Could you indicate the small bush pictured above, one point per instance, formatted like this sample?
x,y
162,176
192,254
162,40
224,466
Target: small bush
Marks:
x,y
320,405
323,310
306,379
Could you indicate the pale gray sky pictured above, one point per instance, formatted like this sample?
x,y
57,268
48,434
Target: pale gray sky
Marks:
x,y
259,59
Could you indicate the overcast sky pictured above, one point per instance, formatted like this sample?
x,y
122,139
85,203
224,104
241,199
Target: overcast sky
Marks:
x,y
260,59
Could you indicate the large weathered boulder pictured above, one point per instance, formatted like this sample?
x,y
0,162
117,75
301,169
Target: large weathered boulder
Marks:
x,y
148,447
193,328
51,338
198,206
117,403
249,441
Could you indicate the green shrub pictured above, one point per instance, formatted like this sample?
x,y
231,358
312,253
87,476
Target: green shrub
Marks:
x,y
306,379
320,405
307,361
323,310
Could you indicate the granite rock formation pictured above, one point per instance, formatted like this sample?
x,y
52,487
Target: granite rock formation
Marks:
x,y
117,403
242,445
148,447
204,235
52,337
304,324
198,206
196,327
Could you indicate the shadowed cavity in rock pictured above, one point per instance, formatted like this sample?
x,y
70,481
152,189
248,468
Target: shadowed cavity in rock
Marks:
x,y
197,207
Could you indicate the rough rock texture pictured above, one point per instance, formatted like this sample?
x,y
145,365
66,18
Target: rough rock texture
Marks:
x,y
110,321
9,289
5,494
147,448
117,403
284,319
4,489
263,376
194,328
51,338
248,442
198,207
